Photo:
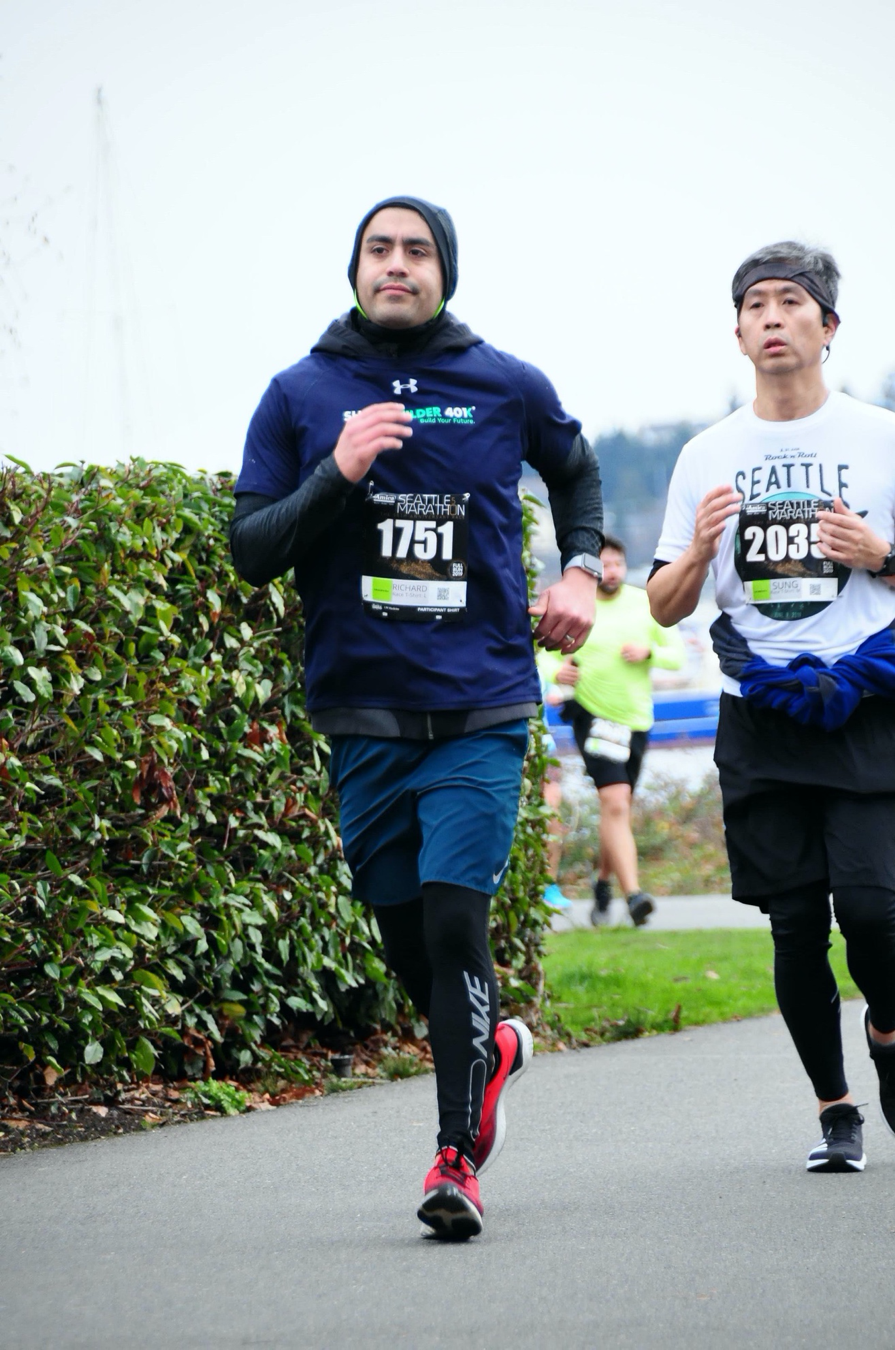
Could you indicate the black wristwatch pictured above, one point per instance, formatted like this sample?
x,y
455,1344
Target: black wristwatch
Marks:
x,y
888,567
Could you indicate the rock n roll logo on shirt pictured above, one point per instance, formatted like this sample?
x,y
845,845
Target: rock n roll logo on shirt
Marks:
x,y
776,552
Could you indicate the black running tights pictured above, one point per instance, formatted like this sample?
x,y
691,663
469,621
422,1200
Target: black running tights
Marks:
x,y
805,984
437,945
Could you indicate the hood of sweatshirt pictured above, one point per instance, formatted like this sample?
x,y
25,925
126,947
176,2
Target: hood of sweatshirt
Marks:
x,y
354,336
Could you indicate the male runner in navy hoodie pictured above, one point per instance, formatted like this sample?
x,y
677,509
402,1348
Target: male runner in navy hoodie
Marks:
x,y
384,469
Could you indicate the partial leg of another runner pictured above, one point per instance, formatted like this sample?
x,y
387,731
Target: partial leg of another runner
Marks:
x,y
866,917
618,851
552,793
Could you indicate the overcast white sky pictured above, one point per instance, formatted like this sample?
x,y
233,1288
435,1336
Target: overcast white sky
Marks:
x,y
607,165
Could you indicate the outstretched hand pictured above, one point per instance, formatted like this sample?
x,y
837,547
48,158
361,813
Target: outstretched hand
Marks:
x,y
567,610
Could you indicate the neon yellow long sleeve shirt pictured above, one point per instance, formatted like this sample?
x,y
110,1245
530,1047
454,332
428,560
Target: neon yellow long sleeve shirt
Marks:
x,y
609,685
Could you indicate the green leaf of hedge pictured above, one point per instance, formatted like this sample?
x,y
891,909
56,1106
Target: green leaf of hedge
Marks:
x,y
149,981
143,1056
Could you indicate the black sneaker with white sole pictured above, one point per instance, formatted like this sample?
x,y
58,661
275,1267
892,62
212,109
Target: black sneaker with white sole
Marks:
x,y
842,1147
883,1057
603,893
602,900
640,907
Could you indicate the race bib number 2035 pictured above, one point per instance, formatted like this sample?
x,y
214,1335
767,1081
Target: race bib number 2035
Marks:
x,y
779,561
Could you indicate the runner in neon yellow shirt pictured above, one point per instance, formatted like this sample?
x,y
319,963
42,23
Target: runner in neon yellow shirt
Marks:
x,y
611,714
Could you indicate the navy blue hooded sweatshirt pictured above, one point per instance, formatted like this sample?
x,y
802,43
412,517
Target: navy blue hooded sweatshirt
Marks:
x,y
414,592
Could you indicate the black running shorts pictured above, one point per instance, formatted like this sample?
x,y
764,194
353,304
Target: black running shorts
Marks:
x,y
620,767
791,837
803,805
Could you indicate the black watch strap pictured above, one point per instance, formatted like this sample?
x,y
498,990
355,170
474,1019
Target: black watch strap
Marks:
x,y
888,567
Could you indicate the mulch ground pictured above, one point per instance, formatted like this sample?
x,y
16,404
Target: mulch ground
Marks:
x,y
51,1113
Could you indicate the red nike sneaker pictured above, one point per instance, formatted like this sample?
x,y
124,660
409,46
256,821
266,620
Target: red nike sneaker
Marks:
x,y
513,1049
451,1207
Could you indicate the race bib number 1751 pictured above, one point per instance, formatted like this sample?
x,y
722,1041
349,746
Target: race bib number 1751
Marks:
x,y
415,555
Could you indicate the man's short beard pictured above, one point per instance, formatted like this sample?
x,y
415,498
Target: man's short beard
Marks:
x,y
608,588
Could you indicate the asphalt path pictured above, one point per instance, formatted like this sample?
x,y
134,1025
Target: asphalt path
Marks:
x,y
672,913
650,1194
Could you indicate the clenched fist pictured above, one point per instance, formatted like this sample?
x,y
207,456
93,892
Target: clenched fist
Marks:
x,y
378,427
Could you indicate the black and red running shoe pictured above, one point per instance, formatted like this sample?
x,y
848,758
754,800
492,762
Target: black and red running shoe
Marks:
x,y
451,1208
513,1049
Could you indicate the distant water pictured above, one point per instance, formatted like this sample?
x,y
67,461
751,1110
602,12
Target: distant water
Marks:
x,y
685,764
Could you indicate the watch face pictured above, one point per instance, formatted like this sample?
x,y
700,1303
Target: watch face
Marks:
x,y
587,562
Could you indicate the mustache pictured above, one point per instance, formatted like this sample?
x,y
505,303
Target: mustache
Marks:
x,y
406,282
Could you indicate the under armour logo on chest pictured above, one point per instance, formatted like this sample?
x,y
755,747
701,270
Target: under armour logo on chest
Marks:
x,y
410,386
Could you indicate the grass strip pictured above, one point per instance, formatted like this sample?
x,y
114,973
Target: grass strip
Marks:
x,y
609,984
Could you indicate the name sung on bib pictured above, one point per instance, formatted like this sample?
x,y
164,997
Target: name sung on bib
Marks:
x,y
415,555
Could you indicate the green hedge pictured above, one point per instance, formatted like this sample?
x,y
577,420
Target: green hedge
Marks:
x,y
172,890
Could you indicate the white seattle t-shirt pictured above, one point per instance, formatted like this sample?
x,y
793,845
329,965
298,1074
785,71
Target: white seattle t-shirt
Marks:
x,y
782,595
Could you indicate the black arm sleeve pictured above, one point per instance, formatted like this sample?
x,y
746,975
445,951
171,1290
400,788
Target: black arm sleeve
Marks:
x,y
576,501
267,537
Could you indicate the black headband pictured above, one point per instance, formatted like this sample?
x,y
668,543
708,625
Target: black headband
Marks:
x,y
781,271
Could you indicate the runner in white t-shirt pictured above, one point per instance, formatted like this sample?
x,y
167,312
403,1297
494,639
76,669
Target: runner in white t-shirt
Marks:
x,y
791,503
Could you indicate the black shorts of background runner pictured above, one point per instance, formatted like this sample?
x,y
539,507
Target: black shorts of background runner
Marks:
x,y
803,805
602,770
